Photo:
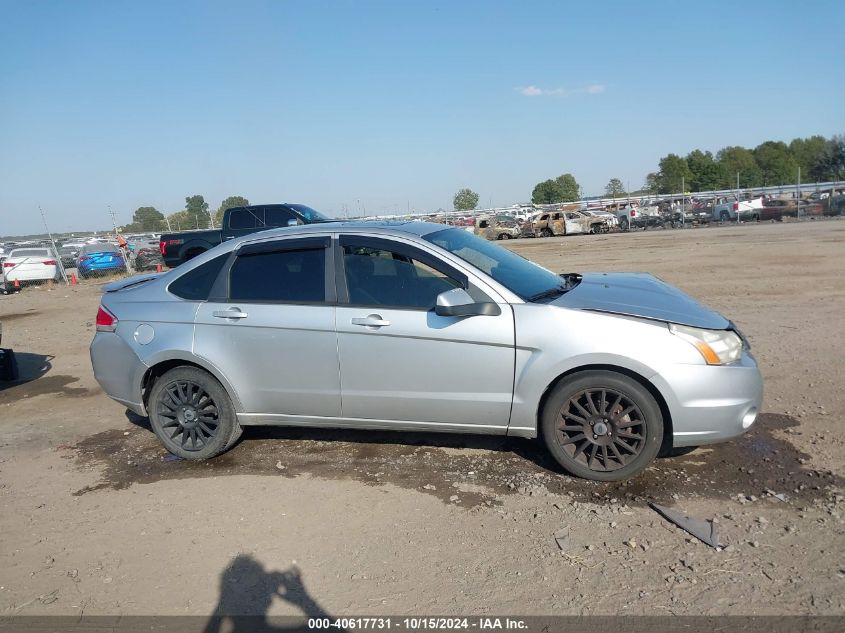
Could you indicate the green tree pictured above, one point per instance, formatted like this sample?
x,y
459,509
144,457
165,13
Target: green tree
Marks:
x,y
706,174
546,192
148,219
615,188
806,151
197,209
465,200
830,164
652,183
738,160
181,221
569,189
674,175
776,164
229,203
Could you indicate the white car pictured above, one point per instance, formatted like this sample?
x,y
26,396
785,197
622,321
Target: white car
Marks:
x,y
31,264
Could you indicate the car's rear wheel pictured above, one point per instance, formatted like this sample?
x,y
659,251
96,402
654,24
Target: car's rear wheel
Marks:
x,y
546,233
623,223
602,425
192,414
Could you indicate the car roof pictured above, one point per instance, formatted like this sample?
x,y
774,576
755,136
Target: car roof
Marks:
x,y
388,227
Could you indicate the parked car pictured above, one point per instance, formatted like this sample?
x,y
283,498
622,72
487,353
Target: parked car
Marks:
x,y
177,248
417,326
776,209
497,228
729,209
146,256
99,259
68,255
31,264
546,224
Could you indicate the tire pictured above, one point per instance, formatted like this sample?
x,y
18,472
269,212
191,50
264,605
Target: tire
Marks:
x,y
180,429
623,224
546,233
578,456
504,236
724,217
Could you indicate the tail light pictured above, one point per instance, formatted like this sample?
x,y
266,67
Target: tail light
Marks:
x,y
163,244
8,265
736,206
49,262
84,258
106,321
633,212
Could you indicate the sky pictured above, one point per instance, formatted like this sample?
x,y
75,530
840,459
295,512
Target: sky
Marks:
x,y
384,106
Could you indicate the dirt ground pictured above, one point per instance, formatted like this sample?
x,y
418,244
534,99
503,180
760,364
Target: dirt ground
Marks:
x,y
96,519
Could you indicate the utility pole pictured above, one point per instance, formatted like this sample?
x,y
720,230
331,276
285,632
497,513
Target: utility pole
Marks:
x,y
53,242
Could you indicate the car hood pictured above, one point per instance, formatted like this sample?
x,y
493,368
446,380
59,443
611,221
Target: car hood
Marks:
x,y
640,295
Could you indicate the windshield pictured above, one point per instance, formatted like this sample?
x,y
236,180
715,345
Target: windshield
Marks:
x,y
517,274
309,214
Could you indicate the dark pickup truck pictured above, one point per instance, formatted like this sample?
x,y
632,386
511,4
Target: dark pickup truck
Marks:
x,y
180,247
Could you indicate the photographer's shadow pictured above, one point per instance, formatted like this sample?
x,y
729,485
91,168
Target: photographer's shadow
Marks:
x,y
247,591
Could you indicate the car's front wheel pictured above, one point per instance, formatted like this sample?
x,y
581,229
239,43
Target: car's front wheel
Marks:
x,y
602,425
192,414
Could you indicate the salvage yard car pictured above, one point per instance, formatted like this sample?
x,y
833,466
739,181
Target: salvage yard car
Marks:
x,y
419,327
497,228
31,264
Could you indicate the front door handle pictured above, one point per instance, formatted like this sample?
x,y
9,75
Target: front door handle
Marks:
x,y
231,313
371,320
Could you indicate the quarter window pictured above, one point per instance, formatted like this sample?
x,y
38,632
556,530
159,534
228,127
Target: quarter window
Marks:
x,y
380,277
196,284
291,276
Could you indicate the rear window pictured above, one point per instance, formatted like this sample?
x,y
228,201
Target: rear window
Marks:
x,y
195,285
30,252
297,276
99,248
246,218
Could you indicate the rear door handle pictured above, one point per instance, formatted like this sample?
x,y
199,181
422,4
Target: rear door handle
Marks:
x,y
372,320
231,313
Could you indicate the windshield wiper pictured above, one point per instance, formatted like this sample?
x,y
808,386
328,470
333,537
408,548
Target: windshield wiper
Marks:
x,y
551,293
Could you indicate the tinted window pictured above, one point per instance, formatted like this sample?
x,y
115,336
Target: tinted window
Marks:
x,y
285,276
246,218
380,277
277,216
196,284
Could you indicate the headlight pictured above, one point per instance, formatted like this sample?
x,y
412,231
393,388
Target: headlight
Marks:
x,y
718,347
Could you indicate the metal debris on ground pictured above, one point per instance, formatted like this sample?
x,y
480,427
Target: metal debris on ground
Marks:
x,y
704,531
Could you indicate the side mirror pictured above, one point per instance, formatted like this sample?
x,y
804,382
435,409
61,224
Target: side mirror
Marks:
x,y
293,222
457,302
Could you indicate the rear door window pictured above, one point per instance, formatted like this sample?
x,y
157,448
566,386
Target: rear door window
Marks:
x,y
294,275
246,218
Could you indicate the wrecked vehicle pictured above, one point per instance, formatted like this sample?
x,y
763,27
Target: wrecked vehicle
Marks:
x,y
497,227
575,222
419,327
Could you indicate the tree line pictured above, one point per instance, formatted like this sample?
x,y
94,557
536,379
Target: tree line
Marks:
x,y
195,215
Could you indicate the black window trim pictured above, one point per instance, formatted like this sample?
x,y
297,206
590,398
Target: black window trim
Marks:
x,y
220,289
401,248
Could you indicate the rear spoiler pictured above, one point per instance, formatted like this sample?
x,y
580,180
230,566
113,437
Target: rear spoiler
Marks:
x,y
130,282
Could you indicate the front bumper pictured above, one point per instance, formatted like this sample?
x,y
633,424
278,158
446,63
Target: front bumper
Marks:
x,y
118,370
711,404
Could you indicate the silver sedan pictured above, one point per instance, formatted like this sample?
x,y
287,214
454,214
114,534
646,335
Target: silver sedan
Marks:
x,y
420,327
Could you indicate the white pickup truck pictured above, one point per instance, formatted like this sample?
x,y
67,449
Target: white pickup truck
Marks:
x,y
729,209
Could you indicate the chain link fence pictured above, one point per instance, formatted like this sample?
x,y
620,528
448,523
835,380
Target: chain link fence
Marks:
x,y
46,267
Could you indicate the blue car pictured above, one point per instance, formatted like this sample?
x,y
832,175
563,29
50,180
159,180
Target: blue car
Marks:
x,y
99,259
